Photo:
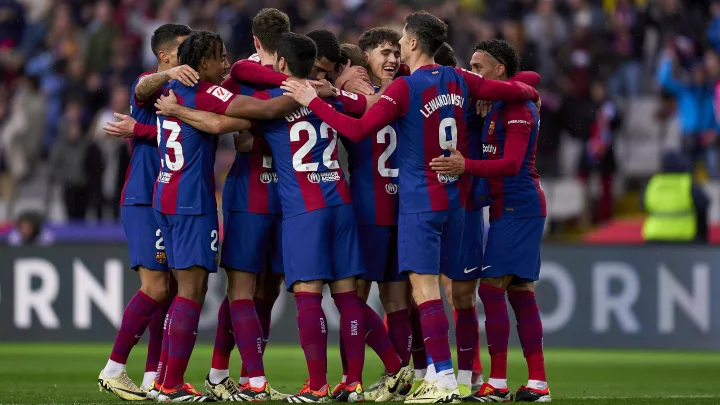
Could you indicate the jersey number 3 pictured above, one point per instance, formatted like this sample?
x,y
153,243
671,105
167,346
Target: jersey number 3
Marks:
x,y
172,144
307,147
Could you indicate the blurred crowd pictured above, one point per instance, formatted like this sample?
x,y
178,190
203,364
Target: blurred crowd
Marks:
x,y
66,66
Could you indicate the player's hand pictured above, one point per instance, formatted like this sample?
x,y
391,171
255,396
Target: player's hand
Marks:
x,y
303,93
455,164
324,88
121,129
243,141
482,108
184,74
165,105
355,79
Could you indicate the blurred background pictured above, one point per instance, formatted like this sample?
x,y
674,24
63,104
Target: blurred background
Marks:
x,y
623,81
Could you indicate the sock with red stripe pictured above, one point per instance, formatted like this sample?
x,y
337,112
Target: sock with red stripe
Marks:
x,y
400,332
530,331
182,334
248,338
165,349
497,329
419,354
155,335
135,320
312,327
378,340
224,344
435,328
467,337
352,329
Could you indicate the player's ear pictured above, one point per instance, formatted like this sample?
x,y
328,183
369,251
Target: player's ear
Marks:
x,y
163,57
281,64
500,70
256,42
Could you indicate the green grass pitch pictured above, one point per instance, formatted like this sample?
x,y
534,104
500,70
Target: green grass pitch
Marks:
x,y
67,373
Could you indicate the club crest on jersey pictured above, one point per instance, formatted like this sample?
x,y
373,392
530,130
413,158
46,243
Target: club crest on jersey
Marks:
x,y
267,177
161,257
325,177
164,177
391,188
447,178
491,128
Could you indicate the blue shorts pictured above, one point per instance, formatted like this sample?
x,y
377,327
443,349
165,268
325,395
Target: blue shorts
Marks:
x,y
379,248
146,245
472,248
190,240
431,242
321,245
251,242
513,248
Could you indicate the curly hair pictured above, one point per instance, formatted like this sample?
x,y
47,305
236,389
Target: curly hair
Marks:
x,y
445,56
198,45
430,31
352,53
375,37
327,44
503,53
268,25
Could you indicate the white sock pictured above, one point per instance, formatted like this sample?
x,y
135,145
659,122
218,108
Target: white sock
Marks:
x,y
216,376
498,382
537,384
244,380
148,378
446,379
257,382
420,373
431,376
479,380
113,368
464,377
344,378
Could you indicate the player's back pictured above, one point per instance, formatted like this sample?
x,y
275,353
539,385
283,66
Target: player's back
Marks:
x,y
305,155
374,176
251,183
144,160
186,183
435,119
519,196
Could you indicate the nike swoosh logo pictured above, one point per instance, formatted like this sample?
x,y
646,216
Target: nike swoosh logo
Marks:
x,y
464,350
470,270
485,267
195,333
425,340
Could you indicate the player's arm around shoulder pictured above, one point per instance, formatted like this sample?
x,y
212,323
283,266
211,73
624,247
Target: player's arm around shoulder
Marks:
x,y
151,84
261,106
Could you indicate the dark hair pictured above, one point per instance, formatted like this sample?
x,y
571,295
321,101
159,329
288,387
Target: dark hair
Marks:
x,y
353,53
327,44
445,55
268,25
375,37
198,45
299,52
503,53
166,34
429,30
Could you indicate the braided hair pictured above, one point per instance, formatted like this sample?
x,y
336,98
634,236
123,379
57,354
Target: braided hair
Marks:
x,y
198,45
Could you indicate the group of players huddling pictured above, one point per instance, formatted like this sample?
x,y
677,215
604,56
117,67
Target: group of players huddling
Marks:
x,y
429,145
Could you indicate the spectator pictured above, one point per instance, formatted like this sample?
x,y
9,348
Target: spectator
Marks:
x,y
102,33
21,136
626,40
550,31
677,207
29,230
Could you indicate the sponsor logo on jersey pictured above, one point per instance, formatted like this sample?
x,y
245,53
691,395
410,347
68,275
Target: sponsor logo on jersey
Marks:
x,y
388,98
349,95
267,177
442,101
491,128
490,149
448,178
325,177
164,177
161,257
220,92
518,122
391,188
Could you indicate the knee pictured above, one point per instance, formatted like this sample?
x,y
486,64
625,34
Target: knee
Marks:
x,y
156,288
463,301
193,291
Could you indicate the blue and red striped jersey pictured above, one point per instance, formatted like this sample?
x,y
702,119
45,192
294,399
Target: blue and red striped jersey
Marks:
x,y
251,183
478,196
186,182
429,106
518,196
144,159
374,176
305,154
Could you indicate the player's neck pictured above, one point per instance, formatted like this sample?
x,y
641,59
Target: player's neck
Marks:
x,y
163,67
376,81
419,60
266,58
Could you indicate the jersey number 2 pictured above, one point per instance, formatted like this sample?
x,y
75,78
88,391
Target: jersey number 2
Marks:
x,y
307,147
383,158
